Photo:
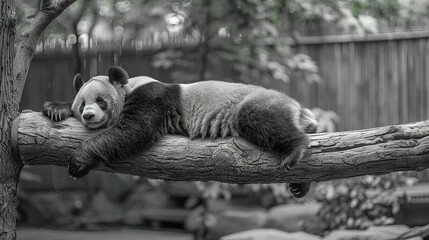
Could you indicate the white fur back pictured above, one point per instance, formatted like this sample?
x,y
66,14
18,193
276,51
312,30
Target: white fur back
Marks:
x,y
210,108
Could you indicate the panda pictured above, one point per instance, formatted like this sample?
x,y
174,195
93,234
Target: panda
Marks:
x,y
137,112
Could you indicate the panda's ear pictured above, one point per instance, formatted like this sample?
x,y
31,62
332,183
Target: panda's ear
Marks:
x,y
78,82
117,74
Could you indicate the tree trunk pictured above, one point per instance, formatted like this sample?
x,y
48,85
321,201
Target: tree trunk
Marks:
x,y
14,65
234,160
10,167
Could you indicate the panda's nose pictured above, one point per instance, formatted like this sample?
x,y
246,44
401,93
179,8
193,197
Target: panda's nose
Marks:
x,y
88,116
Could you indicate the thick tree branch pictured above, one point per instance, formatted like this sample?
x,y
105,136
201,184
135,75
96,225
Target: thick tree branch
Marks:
x,y
233,160
77,47
29,38
95,18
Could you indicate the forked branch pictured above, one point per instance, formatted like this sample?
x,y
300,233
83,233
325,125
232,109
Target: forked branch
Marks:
x,y
26,46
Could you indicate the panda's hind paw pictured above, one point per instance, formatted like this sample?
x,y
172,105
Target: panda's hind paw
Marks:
x,y
299,190
57,111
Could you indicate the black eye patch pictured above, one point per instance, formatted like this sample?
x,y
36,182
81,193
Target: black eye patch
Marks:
x,y
102,103
82,106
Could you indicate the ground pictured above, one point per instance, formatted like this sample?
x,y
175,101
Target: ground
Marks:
x,y
49,234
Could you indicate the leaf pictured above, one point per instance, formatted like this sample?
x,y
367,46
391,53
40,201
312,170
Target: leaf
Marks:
x,y
354,203
303,62
368,23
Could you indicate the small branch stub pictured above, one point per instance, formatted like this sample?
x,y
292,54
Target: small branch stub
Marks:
x,y
234,160
14,137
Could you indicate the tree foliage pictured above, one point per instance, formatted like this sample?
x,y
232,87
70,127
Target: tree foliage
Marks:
x,y
243,34
247,35
361,202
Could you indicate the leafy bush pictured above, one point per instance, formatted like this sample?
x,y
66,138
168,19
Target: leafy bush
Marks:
x,y
361,202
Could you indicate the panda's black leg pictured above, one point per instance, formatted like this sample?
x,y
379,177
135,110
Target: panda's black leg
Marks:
x,y
309,125
134,131
57,111
111,146
272,124
272,127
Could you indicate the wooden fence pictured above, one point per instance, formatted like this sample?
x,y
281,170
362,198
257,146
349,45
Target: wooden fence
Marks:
x,y
372,81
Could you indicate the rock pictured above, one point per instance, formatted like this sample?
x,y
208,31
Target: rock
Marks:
x,y
133,218
114,185
101,210
224,218
232,221
270,234
372,233
290,217
50,208
142,198
217,208
195,219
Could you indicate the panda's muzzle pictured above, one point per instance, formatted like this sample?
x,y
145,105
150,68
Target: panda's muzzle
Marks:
x,y
88,116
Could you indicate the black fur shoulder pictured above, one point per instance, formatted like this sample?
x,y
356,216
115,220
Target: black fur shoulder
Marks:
x,y
162,99
156,90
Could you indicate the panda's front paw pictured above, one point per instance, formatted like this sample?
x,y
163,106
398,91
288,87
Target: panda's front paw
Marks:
x,y
79,166
57,111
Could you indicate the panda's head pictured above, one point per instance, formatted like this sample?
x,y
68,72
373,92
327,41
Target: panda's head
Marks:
x,y
100,99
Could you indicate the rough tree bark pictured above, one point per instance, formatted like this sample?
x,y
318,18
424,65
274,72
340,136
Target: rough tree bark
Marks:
x,y
233,160
14,65
10,167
